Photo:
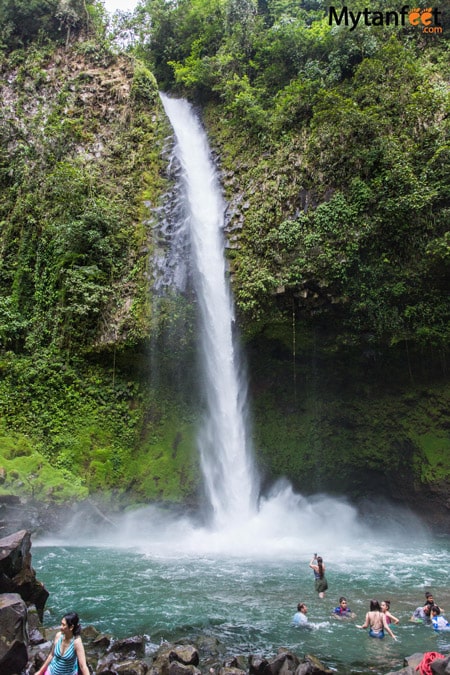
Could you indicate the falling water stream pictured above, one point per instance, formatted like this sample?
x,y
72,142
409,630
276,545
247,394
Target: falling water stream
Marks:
x,y
239,577
224,443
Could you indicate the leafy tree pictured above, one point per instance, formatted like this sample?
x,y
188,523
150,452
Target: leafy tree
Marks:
x,y
24,21
178,30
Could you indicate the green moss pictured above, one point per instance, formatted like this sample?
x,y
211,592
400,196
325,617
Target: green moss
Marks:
x,y
435,455
342,424
107,432
166,467
26,471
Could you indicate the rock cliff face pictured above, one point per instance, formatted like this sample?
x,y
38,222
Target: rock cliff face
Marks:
x,y
82,131
14,634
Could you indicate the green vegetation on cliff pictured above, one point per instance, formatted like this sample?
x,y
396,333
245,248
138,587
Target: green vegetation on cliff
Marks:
x,y
81,169
334,146
334,152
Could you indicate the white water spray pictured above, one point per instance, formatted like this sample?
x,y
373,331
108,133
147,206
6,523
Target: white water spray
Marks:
x,y
230,479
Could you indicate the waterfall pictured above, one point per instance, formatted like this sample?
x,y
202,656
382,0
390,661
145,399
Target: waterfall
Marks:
x,y
280,524
230,480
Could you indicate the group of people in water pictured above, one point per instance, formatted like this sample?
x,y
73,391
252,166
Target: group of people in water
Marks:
x,y
378,618
67,654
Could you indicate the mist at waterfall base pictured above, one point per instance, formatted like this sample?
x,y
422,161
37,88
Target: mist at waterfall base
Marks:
x,y
238,574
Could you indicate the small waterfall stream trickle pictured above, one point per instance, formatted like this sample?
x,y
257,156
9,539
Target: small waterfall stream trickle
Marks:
x,y
231,482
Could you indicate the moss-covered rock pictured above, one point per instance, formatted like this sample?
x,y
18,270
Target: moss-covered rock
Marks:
x,y
354,422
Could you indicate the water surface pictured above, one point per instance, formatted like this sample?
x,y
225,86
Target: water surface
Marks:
x,y
162,587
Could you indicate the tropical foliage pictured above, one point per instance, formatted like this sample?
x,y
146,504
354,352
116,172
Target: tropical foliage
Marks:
x,y
334,149
346,135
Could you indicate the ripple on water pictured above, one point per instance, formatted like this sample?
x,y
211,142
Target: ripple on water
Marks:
x,y
247,603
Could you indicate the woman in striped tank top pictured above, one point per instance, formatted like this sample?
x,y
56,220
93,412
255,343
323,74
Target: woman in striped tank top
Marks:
x,y
67,655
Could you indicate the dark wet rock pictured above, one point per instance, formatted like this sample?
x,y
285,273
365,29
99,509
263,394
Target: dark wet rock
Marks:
x,y
132,645
257,665
37,655
102,641
311,665
14,634
186,654
413,660
208,646
35,634
36,637
237,662
111,665
441,666
15,659
178,668
169,660
408,670
16,573
160,664
284,662
303,669
106,665
132,668
90,632
231,671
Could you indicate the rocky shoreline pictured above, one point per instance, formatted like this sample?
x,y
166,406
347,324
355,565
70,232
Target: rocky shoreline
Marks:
x,y
106,656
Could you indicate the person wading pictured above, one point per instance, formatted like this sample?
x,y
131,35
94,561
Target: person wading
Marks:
x,y
376,622
318,567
